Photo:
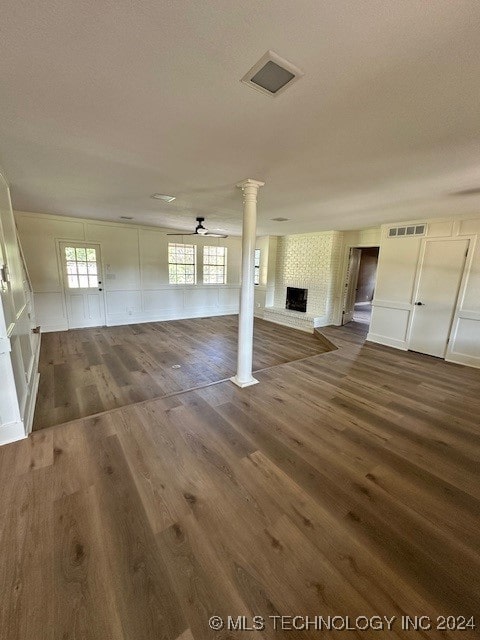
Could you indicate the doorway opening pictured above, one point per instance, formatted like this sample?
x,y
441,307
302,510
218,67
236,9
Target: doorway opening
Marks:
x,y
360,285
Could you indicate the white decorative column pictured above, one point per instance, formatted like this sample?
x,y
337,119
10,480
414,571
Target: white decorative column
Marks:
x,y
244,376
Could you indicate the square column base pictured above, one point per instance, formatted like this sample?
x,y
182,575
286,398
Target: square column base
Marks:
x,y
242,385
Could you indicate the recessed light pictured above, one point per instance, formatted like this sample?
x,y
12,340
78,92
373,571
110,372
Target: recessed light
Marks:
x,y
280,219
161,196
126,217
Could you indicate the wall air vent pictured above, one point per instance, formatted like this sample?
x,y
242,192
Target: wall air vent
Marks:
x,y
272,74
408,230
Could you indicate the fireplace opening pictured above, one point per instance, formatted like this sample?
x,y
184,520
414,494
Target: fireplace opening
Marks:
x,y
296,299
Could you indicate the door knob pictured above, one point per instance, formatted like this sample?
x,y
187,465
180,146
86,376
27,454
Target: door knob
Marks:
x,y
419,304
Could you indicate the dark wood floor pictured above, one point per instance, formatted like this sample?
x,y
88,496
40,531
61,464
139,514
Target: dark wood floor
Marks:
x,y
344,484
87,371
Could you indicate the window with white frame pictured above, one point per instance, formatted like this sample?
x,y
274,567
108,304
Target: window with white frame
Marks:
x,y
82,270
215,265
256,272
182,263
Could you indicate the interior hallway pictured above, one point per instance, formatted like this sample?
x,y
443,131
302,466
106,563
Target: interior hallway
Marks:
x,y
343,484
362,312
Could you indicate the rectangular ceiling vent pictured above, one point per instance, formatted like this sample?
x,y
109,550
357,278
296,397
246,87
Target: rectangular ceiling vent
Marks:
x,y
410,230
272,74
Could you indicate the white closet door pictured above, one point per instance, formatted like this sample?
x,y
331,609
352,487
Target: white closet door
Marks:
x,y
436,297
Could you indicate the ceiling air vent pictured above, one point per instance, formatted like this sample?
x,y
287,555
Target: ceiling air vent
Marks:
x,y
408,230
272,74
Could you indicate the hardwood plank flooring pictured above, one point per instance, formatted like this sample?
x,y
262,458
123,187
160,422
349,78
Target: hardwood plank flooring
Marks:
x,y
87,371
344,484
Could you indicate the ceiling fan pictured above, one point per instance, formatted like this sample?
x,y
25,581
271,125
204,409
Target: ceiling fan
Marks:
x,y
200,230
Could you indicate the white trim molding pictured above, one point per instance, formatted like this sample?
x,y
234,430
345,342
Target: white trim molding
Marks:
x,y
11,432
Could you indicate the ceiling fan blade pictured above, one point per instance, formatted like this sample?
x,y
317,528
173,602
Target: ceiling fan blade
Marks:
x,y
200,231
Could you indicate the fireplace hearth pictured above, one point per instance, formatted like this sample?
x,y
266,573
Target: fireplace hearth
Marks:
x,y
296,299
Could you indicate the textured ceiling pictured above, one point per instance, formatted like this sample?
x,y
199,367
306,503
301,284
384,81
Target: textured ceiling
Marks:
x,y
104,102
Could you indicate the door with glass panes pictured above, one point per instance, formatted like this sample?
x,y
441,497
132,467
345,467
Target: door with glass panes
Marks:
x,y
82,274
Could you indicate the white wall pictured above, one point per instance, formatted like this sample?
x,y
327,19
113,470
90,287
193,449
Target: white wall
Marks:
x,y
135,270
398,270
370,237
265,290
317,262
19,347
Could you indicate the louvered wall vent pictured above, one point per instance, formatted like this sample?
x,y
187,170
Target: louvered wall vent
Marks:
x,y
272,74
410,230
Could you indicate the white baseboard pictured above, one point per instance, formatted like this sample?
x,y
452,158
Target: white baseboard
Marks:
x,y
51,327
116,320
121,320
388,342
462,358
30,408
11,432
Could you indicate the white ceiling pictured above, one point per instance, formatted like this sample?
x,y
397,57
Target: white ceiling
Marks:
x,y
104,102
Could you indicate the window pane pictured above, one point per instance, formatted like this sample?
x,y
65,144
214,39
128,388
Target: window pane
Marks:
x,y
214,265
92,268
83,280
81,254
91,255
93,282
72,282
182,259
256,272
82,267
71,267
70,253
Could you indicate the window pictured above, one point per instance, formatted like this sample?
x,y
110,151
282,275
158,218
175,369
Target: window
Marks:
x,y
214,265
256,273
81,267
182,260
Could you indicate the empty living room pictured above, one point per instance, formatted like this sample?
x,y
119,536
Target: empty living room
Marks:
x,y
239,320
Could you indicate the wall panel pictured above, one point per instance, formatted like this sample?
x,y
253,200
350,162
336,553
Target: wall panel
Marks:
x,y
135,270
398,268
19,346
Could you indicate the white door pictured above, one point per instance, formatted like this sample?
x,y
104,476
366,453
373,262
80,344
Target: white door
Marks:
x,y
351,285
436,296
82,274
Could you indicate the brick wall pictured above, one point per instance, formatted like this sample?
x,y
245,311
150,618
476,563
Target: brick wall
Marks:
x,y
309,261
